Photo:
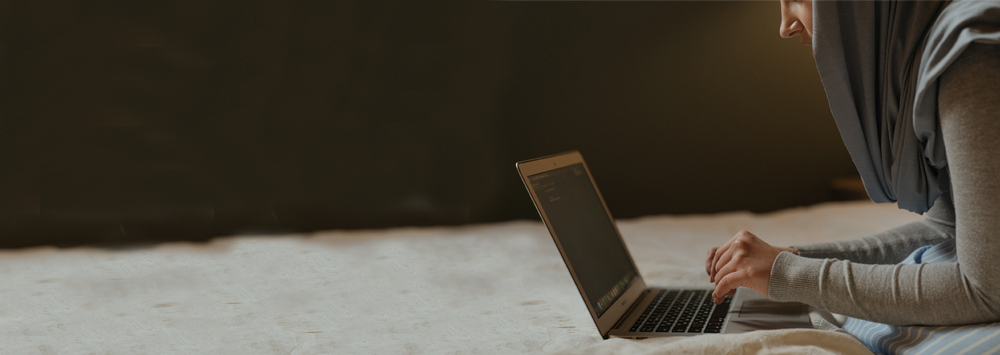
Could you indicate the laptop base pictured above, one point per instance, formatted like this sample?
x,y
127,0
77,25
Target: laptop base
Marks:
x,y
690,312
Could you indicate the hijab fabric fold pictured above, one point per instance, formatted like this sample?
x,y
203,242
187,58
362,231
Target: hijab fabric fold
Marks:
x,y
880,62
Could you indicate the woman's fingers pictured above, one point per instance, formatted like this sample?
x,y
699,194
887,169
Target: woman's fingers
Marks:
x,y
747,262
718,254
724,259
739,242
730,266
708,261
728,285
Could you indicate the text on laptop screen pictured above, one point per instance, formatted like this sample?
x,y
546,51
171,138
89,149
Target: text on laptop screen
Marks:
x,y
586,233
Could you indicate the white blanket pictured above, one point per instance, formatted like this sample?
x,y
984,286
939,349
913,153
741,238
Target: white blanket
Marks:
x,y
499,288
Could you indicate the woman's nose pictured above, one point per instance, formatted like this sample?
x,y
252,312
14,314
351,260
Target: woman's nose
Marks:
x,y
790,30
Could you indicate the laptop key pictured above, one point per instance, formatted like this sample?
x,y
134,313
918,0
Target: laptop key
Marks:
x,y
679,312
720,310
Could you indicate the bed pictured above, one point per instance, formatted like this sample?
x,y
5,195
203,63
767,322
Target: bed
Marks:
x,y
478,289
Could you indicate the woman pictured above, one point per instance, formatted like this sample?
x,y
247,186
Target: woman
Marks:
x,y
915,89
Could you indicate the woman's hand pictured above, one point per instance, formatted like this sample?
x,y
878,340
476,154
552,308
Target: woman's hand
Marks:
x,y
744,260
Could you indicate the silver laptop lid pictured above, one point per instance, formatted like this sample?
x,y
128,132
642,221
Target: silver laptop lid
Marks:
x,y
572,208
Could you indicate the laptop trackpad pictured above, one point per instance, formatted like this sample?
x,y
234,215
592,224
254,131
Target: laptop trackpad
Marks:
x,y
762,309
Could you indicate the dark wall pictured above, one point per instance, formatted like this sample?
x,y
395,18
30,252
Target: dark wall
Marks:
x,y
133,122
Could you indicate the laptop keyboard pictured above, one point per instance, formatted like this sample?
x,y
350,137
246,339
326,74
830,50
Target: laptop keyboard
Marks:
x,y
690,311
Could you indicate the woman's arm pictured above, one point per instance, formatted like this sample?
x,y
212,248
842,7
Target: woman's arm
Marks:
x,y
933,294
891,246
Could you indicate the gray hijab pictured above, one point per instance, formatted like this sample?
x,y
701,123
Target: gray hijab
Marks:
x,y
879,62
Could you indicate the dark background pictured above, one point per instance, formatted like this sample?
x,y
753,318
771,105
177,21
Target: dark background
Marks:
x,y
142,121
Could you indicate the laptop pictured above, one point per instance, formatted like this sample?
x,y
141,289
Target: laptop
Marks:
x,y
618,299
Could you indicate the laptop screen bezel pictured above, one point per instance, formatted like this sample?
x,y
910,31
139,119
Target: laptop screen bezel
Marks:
x,y
632,294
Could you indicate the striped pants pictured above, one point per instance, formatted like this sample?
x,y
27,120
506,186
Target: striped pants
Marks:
x,y
927,340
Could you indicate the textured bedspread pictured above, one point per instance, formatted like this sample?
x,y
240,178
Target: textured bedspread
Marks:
x,y
499,288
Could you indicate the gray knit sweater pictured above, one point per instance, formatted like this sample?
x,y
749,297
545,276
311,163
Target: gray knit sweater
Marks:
x,y
858,278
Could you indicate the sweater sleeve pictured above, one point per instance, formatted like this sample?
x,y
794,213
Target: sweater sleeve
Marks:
x,y
894,245
963,292
891,246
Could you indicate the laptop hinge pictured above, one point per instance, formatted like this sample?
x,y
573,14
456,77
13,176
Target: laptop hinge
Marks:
x,y
630,309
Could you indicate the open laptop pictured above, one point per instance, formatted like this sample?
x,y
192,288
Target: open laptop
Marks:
x,y
619,301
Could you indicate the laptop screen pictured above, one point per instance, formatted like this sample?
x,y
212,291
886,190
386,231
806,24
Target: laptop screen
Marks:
x,y
585,231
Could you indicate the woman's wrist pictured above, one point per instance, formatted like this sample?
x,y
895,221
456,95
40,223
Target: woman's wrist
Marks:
x,y
790,250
